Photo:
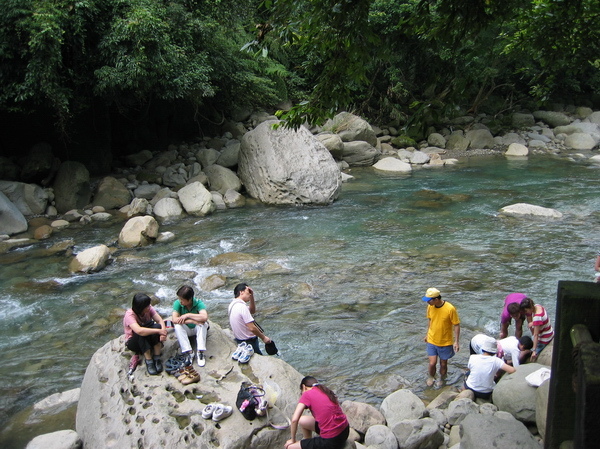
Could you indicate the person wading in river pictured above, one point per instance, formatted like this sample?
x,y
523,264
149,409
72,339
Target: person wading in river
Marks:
x,y
443,332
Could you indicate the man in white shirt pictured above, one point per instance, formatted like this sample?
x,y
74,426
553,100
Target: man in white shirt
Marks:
x,y
240,318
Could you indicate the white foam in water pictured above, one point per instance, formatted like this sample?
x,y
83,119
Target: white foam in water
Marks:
x,y
226,245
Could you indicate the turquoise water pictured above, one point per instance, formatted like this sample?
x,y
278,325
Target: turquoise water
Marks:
x,y
338,287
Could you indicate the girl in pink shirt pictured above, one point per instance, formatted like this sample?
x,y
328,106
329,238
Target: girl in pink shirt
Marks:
x,y
328,420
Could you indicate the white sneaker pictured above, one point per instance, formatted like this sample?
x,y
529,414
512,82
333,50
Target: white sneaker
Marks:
x,y
221,412
245,356
239,350
208,411
201,359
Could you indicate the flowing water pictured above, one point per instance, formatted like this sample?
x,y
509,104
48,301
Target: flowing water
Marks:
x,y
338,287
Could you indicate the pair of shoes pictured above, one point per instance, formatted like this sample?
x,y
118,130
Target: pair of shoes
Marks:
x,y
201,359
158,364
430,381
246,354
188,376
217,412
238,351
151,367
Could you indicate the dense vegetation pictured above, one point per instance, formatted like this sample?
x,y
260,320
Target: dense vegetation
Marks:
x,y
407,61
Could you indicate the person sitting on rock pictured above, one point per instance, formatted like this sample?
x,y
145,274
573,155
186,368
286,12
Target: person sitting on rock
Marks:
x,y
482,369
145,332
190,318
539,324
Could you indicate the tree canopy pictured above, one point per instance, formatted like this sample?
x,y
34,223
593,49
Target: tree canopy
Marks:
x,y
403,61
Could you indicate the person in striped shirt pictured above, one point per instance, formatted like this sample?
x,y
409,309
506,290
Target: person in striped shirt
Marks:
x,y
539,324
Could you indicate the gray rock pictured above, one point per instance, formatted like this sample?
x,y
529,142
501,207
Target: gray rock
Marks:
x,y
62,439
392,164
282,166
522,120
72,186
175,175
436,140
139,206
111,194
524,209
418,434
90,260
30,199
362,416
218,200
459,408
53,404
233,199
333,143
138,231
516,149
580,141
514,395
146,191
594,117
222,179
457,142
402,405
165,237
488,432
236,128
139,158
350,128
12,220
542,395
230,154
158,411
509,138
168,209
552,118
359,154
380,437
419,158
208,156
196,199
480,138
163,159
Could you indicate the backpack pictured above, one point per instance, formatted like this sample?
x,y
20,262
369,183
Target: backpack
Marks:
x,y
249,400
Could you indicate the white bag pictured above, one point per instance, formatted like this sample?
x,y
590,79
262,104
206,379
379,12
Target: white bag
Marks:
x,y
538,377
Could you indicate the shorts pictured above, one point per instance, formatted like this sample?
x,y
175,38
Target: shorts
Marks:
x,y
443,352
337,442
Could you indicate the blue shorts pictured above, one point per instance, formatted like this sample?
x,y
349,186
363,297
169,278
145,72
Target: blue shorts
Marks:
x,y
443,352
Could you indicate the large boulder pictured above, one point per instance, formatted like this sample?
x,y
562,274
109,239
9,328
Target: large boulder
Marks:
x,y
111,194
333,143
30,199
12,220
196,199
90,260
402,405
159,411
392,164
418,434
514,395
138,231
478,431
168,209
40,164
283,166
480,138
552,118
72,186
350,128
362,416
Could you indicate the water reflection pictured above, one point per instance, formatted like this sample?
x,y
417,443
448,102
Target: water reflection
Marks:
x,y
338,287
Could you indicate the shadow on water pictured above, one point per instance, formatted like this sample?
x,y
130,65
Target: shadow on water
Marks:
x,y
338,287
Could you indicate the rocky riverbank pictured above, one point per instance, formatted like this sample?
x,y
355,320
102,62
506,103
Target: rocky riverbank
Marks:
x,y
159,411
251,161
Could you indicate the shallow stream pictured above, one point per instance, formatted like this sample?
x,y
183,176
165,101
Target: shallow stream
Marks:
x,y
338,287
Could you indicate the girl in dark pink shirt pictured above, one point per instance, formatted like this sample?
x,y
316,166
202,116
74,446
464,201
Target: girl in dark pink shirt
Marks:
x,y
328,420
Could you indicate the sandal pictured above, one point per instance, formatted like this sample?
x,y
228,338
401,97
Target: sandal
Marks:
x,y
173,364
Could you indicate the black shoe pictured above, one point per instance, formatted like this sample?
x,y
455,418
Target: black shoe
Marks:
x,y
151,367
158,364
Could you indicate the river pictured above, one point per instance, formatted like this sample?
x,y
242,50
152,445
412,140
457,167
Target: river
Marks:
x,y
338,287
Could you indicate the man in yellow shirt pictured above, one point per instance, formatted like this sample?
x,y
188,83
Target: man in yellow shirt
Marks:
x,y
443,332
